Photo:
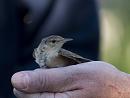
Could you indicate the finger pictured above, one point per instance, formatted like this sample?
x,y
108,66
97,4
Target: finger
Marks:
x,y
41,80
70,94
19,94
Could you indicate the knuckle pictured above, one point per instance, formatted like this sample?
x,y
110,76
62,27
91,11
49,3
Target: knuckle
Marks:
x,y
43,80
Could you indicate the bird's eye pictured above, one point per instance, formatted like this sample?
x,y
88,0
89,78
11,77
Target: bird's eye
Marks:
x,y
53,41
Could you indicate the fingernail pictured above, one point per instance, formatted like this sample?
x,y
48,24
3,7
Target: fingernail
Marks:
x,y
20,80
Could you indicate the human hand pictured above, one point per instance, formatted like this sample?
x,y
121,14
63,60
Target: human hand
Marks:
x,y
87,80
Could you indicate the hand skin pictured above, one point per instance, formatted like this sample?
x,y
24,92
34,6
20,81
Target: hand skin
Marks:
x,y
87,80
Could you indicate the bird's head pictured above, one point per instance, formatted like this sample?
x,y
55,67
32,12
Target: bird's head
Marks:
x,y
56,42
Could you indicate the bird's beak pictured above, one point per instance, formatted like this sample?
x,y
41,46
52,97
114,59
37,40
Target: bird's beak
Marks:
x,y
67,39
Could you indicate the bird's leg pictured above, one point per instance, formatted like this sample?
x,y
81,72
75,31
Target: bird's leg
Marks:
x,y
44,67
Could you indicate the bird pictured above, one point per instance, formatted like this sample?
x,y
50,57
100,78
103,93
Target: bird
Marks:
x,y
50,54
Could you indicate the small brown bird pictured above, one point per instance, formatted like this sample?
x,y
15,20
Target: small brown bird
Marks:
x,y
50,54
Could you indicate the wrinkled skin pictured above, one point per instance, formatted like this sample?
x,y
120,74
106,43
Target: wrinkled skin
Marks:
x,y
87,80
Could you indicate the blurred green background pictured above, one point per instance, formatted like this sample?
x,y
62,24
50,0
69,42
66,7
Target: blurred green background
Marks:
x,y
115,33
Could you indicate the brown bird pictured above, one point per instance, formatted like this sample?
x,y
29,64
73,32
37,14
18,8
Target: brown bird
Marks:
x,y
50,54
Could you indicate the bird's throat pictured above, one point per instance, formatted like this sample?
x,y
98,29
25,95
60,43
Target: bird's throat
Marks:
x,y
51,54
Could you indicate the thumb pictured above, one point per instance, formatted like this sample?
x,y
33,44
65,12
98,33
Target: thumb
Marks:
x,y
49,80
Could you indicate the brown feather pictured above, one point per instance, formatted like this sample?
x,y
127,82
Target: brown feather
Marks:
x,y
73,56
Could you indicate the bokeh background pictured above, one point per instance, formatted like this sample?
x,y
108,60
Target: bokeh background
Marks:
x,y
115,33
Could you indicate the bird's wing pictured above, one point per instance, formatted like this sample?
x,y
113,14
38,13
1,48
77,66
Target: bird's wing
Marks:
x,y
73,56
